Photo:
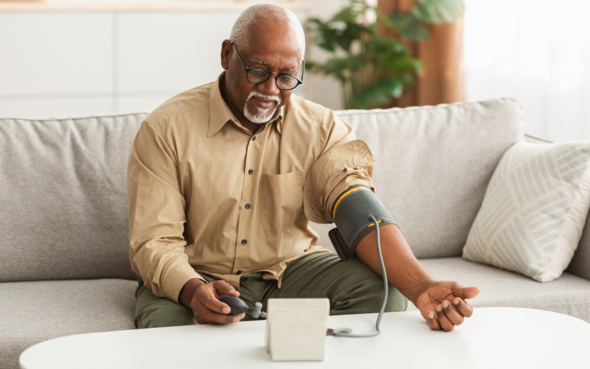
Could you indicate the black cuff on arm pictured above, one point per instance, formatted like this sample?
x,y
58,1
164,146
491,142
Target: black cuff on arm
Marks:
x,y
351,212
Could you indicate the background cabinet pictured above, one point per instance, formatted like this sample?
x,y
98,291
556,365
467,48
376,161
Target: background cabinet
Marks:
x,y
80,62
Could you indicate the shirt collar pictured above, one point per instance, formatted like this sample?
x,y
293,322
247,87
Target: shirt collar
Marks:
x,y
220,113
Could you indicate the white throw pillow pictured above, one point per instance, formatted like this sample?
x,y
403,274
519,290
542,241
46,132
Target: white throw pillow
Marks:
x,y
534,210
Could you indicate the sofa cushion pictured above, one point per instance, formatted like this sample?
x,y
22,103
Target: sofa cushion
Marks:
x,y
580,264
32,312
567,295
64,197
534,210
433,164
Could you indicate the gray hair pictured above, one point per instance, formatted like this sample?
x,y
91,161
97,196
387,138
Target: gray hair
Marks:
x,y
241,29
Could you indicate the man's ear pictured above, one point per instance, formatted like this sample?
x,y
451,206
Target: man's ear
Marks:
x,y
226,52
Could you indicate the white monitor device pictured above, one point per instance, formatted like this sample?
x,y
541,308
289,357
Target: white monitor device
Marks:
x,y
296,329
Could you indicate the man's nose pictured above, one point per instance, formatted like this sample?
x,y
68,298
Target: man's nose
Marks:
x,y
269,87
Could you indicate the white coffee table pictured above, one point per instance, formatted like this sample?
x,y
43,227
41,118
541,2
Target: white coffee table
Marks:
x,y
492,338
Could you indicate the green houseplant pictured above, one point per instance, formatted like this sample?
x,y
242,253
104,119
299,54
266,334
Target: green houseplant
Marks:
x,y
373,69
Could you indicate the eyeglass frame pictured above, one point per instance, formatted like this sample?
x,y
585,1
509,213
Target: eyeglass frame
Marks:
x,y
269,73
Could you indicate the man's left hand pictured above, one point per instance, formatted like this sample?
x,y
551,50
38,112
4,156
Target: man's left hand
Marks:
x,y
443,304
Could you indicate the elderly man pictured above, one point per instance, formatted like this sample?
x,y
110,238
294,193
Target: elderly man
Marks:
x,y
223,180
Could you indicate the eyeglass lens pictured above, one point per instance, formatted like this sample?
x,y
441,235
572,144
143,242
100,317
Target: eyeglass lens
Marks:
x,y
284,81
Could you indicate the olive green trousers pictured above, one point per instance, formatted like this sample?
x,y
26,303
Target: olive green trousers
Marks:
x,y
351,286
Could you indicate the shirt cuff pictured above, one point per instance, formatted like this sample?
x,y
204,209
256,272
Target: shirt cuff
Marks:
x,y
177,278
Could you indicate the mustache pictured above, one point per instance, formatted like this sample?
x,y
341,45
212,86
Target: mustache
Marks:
x,y
264,96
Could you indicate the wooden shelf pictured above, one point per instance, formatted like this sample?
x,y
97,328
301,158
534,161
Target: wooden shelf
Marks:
x,y
147,6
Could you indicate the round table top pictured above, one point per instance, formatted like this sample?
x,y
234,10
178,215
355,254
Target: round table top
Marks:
x,y
491,338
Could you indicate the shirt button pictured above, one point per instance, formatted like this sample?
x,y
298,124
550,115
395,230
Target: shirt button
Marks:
x,y
250,171
254,138
239,272
247,206
244,242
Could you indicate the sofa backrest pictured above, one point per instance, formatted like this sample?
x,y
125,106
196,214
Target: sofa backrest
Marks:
x,y
433,165
63,197
63,183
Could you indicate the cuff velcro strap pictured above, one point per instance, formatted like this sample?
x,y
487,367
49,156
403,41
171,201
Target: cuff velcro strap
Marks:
x,y
351,212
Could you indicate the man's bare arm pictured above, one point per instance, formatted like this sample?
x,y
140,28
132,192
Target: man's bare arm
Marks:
x,y
403,269
441,303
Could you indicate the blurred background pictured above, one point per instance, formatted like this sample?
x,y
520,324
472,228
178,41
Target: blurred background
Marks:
x,y
85,57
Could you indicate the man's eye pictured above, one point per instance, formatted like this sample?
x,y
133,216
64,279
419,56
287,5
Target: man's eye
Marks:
x,y
259,73
286,79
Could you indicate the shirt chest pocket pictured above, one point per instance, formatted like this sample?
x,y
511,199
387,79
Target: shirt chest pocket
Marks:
x,y
282,200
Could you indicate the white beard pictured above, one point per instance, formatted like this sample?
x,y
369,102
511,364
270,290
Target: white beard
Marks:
x,y
263,115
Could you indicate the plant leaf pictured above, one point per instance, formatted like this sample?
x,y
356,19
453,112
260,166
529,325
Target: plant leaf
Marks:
x,y
409,26
438,11
378,93
323,35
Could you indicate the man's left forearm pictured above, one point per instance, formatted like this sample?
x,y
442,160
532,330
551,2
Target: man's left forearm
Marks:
x,y
404,271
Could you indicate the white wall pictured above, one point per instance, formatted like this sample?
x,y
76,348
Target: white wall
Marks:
x,y
99,62
325,91
538,52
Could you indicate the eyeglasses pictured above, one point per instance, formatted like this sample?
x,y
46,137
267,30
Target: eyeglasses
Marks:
x,y
283,81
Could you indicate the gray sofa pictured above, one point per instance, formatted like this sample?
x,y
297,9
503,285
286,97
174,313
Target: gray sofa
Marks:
x,y
64,266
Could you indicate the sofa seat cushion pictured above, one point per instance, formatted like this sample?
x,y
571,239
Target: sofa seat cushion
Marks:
x,y
567,295
32,312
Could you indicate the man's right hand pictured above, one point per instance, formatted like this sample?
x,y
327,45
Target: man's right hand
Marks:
x,y
201,298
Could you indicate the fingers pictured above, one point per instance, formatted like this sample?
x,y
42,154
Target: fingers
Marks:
x,y
208,309
449,315
211,310
444,322
210,301
470,292
452,310
219,288
464,292
463,307
438,320
207,315
224,288
432,322
210,317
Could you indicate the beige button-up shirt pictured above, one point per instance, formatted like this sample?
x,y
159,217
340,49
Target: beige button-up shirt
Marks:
x,y
207,196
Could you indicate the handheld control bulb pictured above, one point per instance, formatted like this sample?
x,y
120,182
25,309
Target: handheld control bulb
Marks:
x,y
238,306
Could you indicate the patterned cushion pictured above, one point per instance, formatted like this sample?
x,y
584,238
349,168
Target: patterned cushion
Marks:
x,y
534,210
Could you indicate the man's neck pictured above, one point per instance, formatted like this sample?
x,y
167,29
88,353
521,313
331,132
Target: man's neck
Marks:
x,y
252,127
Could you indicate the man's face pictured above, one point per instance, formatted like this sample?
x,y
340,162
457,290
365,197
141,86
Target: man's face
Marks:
x,y
273,47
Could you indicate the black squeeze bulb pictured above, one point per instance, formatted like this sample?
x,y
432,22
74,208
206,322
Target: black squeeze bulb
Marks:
x,y
236,304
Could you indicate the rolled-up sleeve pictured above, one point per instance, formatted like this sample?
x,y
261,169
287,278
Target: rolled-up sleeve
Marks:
x,y
156,215
344,162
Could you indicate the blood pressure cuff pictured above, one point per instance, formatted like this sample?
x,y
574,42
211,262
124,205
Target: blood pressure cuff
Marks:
x,y
351,212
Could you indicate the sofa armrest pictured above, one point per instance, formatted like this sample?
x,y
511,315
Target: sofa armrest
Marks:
x,y
580,264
